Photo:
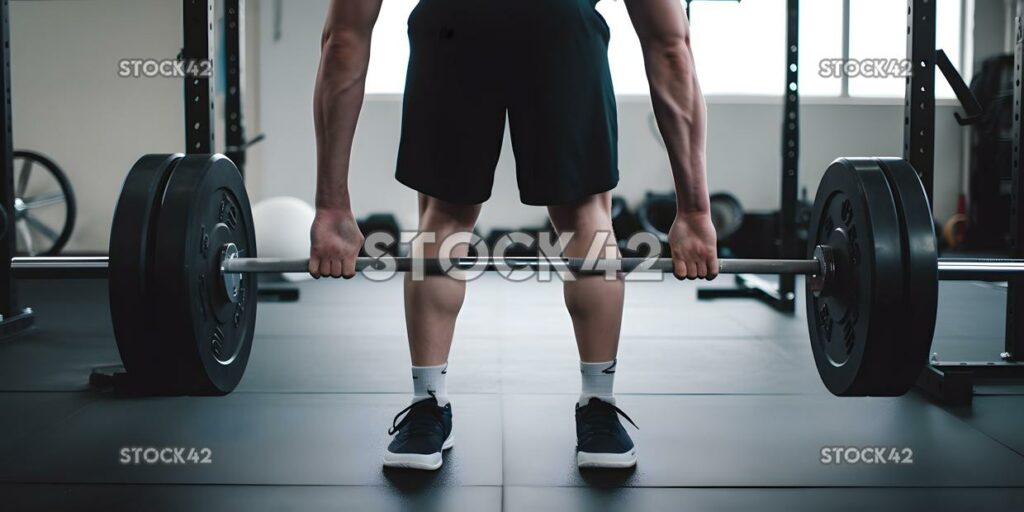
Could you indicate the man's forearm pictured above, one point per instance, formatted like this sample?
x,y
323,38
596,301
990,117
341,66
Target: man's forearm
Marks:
x,y
681,115
338,98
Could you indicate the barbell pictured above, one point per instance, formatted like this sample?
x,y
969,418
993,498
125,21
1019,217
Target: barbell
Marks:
x,y
183,313
96,267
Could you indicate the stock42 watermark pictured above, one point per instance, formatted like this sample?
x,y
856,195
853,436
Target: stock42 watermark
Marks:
x,y
164,68
163,455
602,255
853,455
865,68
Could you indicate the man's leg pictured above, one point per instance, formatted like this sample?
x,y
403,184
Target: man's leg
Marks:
x,y
431,308
593,301
433,303
595,305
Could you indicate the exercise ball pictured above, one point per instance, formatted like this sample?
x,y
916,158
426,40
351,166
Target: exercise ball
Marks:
x,y
282,230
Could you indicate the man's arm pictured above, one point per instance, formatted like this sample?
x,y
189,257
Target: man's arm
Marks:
x,y
337,100
679,109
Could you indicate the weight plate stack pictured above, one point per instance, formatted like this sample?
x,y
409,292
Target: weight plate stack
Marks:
x,y
205,207
852,327
922,275
131,283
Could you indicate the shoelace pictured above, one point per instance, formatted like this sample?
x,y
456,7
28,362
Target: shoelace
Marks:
x,y
616,410
417,427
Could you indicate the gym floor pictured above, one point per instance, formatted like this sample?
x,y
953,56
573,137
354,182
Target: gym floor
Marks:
x,y
732,414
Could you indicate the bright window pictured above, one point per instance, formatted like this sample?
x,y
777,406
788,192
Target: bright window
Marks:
x,y
739,47
878,30
821,37
389,50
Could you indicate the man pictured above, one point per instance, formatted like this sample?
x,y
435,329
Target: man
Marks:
x,y
544,65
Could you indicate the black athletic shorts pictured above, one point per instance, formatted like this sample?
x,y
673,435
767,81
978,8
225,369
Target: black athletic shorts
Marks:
x,y
544,63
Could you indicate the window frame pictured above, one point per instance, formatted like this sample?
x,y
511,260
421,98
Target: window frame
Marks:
x,y
964,66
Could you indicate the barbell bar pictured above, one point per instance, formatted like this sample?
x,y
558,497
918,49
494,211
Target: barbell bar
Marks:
x,y
96,267
91,267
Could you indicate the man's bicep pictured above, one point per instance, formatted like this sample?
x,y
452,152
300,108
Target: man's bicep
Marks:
x,y
658,21
352,16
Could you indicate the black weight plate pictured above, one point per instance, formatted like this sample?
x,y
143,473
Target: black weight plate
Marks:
x,y
922,274
205,207
624,221
656,213
852,329
132,239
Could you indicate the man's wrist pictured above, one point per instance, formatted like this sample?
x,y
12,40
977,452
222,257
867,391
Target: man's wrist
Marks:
x,y
335,211
338,202
689,210
692,199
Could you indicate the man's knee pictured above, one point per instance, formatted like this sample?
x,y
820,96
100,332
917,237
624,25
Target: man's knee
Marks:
x,y
589,221
590,215
439,220
442,216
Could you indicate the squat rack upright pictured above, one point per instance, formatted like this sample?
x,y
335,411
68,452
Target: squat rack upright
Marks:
x,y
14,317
780,296
952,382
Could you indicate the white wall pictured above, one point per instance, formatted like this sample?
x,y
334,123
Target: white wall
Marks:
x,y
70,104
743,150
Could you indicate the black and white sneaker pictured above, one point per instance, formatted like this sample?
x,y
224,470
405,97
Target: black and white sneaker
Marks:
x,y
421,436
601,441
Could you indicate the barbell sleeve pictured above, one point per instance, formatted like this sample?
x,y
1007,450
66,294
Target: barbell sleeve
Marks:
x,y
979,269
60,267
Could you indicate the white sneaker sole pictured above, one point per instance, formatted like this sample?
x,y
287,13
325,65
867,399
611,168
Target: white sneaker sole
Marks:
x,y
606,460
423,461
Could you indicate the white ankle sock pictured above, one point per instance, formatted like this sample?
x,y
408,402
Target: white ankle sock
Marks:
x,y
598,379
427,380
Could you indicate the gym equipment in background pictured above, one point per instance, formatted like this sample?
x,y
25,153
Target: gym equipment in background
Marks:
x,y
655,214
282,230
726,215
624,220
381,223
987,226
44,205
